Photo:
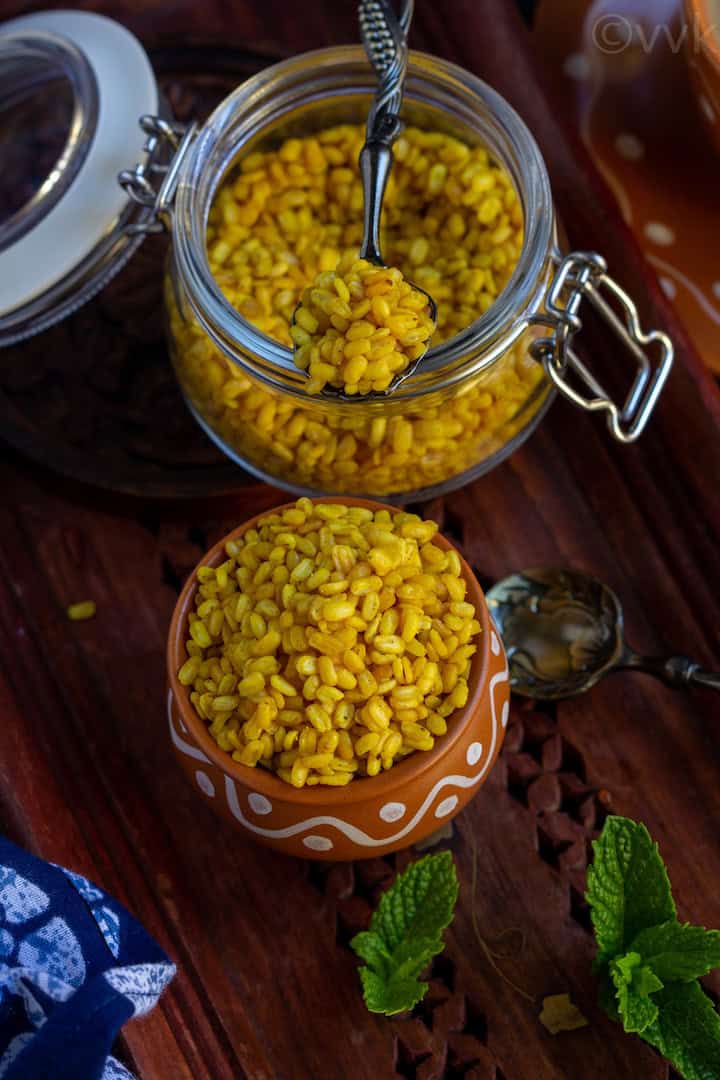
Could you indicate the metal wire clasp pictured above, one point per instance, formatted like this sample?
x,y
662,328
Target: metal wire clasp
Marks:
x,y
583,275
138,181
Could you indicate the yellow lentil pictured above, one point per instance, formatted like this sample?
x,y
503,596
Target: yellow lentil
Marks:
x,y
340,698
280,221
85,609
386,328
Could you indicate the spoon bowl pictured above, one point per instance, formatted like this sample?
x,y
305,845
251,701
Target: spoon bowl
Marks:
x,y
336,394
563,632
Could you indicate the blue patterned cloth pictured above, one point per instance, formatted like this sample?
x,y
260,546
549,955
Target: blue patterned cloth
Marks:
x,y
74,966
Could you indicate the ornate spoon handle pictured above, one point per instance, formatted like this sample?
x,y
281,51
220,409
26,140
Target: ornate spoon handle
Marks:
x,y
384,35
675,671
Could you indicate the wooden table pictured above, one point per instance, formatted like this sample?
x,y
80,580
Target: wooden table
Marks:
x,y
266,987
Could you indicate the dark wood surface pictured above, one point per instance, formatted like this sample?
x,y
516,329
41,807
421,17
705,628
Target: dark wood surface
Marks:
x,y
266,987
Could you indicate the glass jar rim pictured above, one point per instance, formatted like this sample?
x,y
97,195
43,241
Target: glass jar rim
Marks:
x,y
513,145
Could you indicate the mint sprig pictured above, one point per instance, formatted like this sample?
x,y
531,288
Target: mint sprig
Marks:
x,y
647,961
405,933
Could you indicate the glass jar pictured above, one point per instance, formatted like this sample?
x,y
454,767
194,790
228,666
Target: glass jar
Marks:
x,y
477,396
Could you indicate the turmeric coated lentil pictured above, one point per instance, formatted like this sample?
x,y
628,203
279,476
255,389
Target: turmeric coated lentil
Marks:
x,y
452,223
330,643
84,609
359,326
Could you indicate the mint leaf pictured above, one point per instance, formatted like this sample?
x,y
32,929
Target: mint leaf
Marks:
x,y
414,954
637,1013
371,949
687,1031
420,902
628,887
630,971
646,981
625,967
634,982
677,952
398,989
391,997
406,932
607,995
395,986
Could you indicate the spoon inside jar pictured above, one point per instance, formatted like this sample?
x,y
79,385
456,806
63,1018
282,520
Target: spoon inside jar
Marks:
x,y
384,36
563,632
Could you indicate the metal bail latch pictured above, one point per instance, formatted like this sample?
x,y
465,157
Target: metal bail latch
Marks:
x,y
138,181
583,275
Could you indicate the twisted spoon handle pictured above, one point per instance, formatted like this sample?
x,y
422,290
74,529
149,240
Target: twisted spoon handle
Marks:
x,y
675,671
384,35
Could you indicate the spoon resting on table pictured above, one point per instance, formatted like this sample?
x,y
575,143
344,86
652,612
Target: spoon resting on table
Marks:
x,y
384,35
563,632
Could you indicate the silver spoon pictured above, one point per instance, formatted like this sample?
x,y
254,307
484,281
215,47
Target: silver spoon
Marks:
x,y
563,632
384,35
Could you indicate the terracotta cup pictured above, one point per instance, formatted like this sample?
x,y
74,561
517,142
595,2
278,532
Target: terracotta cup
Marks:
x,y
370,816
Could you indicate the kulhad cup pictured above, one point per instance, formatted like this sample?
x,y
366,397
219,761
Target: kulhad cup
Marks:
x,y
371,816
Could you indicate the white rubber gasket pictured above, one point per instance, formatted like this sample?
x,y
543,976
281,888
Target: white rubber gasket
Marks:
x,y
94,201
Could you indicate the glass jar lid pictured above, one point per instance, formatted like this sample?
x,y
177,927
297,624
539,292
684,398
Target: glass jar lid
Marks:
x,y
72,87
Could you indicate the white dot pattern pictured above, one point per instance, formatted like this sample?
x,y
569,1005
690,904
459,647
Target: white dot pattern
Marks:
x,y
259,804
474,753
660,234
393,811
205,784
629,147
446,806
318,843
